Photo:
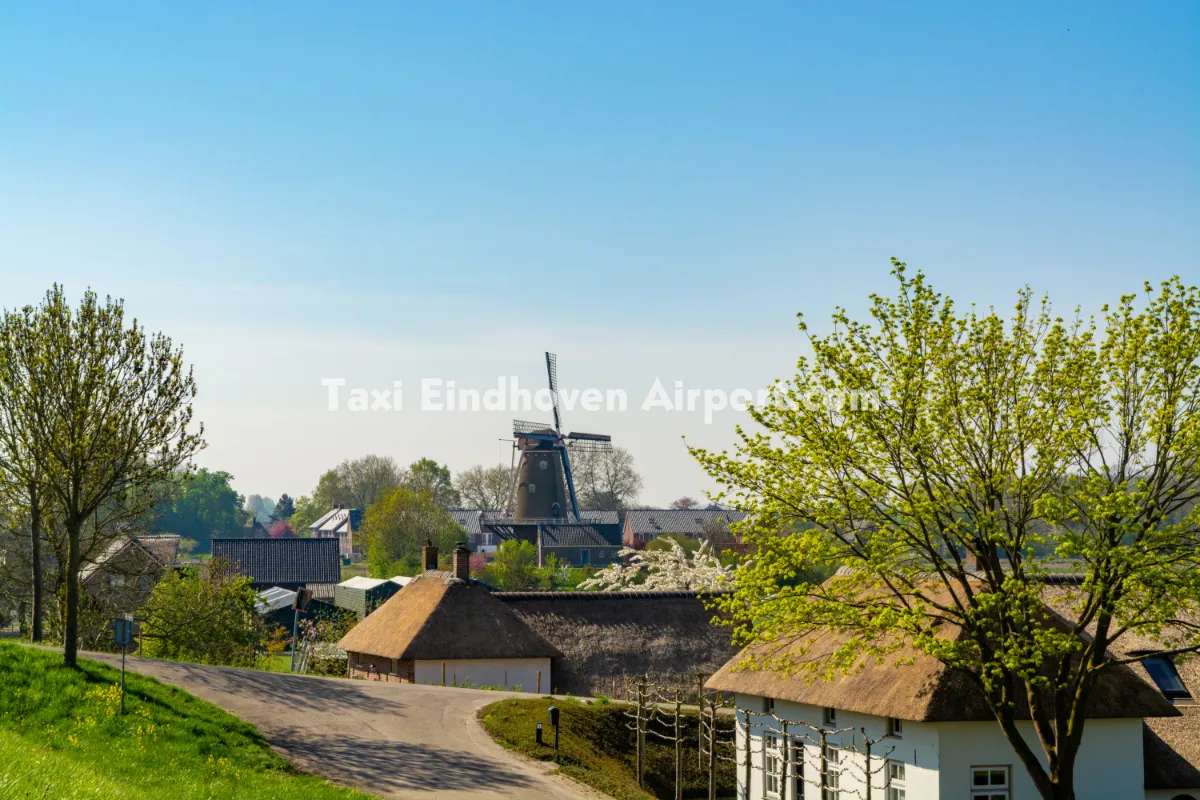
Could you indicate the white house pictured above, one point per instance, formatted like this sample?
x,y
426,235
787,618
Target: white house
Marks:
x,y
340,523
923,732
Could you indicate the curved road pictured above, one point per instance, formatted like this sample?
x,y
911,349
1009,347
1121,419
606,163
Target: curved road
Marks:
x,y
389,739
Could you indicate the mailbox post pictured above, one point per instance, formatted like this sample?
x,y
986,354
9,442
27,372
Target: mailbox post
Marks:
x,y
554,721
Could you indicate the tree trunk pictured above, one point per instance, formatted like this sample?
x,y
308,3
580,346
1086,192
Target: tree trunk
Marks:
x,y
71,626
36,531
1061,790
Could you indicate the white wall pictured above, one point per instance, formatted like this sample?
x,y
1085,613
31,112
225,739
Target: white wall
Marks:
x,y
917,747
1109,765
518,674
938,756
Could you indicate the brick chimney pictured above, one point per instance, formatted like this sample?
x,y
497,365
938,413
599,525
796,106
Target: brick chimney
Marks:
x,y
462,563
429,556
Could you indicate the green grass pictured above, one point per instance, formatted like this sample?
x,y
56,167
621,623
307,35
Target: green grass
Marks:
x,y
275,664
597,749
62,736
355,570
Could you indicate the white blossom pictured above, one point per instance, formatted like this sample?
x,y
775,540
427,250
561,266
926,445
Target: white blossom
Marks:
x,y
670,570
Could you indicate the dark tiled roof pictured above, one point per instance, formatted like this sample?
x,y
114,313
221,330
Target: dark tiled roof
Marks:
x,y
690,522
572,536
477,521
469,519
277,561
601,517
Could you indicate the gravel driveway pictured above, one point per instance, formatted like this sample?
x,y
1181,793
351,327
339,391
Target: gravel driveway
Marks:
x,y
393,740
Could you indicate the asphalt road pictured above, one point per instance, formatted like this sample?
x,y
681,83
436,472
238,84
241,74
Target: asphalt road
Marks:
x,y
393,740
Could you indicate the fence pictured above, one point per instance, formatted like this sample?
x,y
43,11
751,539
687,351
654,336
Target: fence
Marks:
x,y
785,756
696,723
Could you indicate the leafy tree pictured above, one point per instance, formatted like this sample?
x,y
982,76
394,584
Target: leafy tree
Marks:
x,y
515,567
716,530
206,615
282,529
987,439
260,508
26,510
685,503
100,409
399,523
356,483
605,481
484,488
433,478
285,507
199,505
307,511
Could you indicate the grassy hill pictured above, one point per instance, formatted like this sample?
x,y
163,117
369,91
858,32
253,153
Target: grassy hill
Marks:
x,y
62,736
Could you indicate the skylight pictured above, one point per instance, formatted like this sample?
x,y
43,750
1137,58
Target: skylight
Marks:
x,y
1162,671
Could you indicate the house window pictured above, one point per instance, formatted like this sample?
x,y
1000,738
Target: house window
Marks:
x,y
585,557
1162,671
145,584
772,766
769,705
797,770
895,780
831,780
991,783
895,727
116,581
831,716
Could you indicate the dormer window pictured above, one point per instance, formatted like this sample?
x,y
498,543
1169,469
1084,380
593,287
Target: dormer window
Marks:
x,y
895,727
1162,671
831,716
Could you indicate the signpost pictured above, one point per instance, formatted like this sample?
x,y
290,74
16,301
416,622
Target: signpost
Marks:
x,y
123,637
303,597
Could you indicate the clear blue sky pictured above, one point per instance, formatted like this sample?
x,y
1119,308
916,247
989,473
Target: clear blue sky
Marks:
x,y
381,191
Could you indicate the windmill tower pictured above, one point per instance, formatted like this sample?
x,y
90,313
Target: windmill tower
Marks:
x,y
545,486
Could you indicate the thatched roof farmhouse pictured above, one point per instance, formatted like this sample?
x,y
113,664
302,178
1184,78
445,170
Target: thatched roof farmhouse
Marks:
x,y
584,643
1142,738
445,628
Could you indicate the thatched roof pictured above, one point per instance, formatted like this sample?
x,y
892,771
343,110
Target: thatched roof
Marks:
x,y
914,686
607,636
439,617
1170,745
1171,750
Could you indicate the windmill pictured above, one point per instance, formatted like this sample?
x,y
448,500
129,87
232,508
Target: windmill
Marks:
x,y
545,485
